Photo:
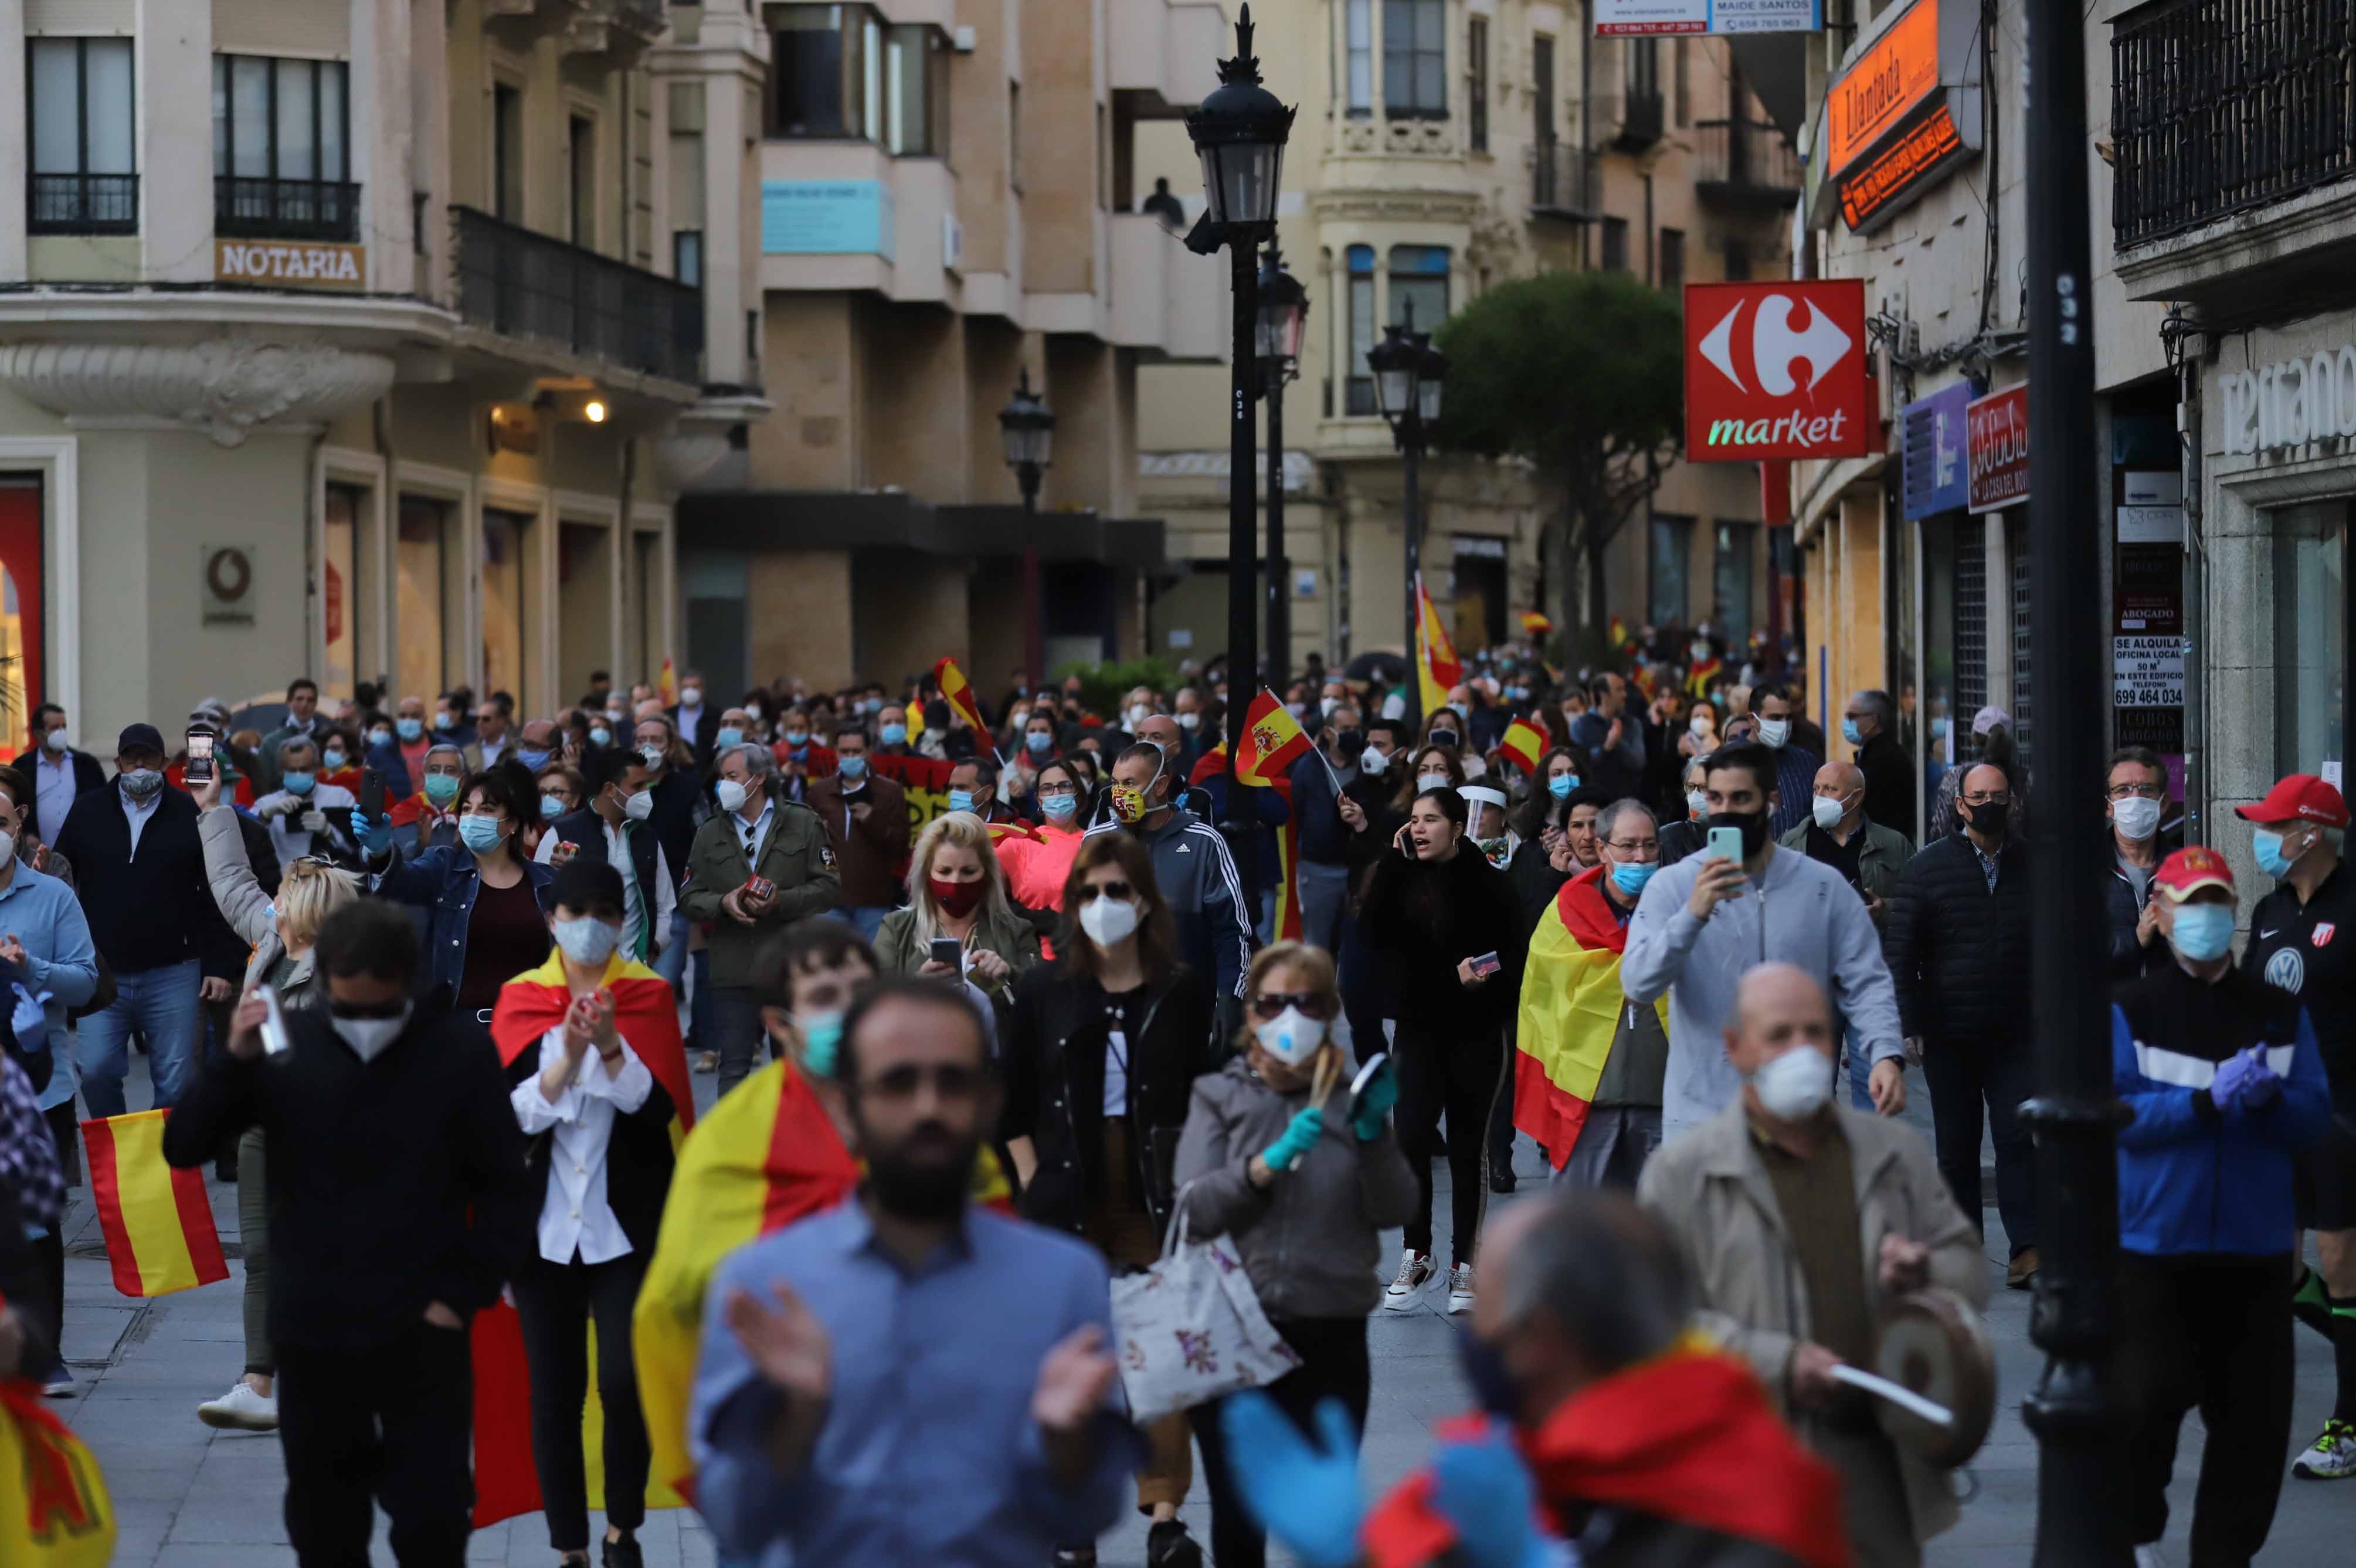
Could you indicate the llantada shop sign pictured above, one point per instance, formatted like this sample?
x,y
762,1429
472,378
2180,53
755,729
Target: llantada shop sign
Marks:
x,y
1904,113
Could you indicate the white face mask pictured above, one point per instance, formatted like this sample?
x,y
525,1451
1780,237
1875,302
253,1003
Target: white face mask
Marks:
x,y
1827,811
1697,802
1373,761
1190,720
1137,714
1291,1037
653,754
732,795
1701,723
1107,920
1432,780
1774,732
587,941
369,1037
638,808
2136,818
1795,1085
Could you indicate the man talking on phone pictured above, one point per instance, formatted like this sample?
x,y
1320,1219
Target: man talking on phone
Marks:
x,y
1704,922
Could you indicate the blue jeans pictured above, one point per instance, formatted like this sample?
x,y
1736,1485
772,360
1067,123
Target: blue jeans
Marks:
x,y
671,962
865,919
163,1004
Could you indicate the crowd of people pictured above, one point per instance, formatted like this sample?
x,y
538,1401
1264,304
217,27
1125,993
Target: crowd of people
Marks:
x,y
991,1014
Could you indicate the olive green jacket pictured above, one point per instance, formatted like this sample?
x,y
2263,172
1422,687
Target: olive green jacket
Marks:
x,y
795,856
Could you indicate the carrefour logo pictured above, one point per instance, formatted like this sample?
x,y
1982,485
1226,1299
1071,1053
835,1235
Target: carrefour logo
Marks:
x,y
1776,370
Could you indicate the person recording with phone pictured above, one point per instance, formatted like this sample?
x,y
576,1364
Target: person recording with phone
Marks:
x,y
1446,924
1739,903
960,925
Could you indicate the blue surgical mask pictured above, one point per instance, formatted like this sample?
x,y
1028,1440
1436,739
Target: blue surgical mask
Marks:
x,y
960,800
440,789
551,808
535,760
333,759
821,1042
1039,741
2203,931
1561,785
853,767
410,729
1850,733
298,782
479,835
894,735
2266,843
1059,807
729,735
1631,877
601,736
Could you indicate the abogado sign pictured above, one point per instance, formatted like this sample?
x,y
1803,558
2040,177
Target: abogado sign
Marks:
x,y
1776,370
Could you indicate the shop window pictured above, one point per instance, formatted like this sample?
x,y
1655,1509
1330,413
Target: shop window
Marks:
x,y
504,537
339,600
84,178
2312,642
424,562
1360,392
1670,551
1415,59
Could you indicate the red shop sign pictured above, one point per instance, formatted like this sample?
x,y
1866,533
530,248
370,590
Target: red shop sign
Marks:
x,y
1996,449
1776,370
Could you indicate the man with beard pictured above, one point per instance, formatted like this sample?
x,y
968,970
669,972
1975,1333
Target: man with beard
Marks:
x,y
905,1377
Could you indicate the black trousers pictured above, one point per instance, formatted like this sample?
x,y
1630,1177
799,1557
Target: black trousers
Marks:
x,y
557,1303
49,1251
1333,1365
1960,1076
1461,1075
390,1423
2211,1334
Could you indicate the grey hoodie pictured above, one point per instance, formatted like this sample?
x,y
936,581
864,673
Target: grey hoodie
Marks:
x,y
1312,1241
1805,915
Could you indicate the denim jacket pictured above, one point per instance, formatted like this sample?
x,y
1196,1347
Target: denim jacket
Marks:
x,y
443,881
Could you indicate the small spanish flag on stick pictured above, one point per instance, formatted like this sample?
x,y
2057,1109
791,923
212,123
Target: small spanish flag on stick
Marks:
x,y
157,1222
1523,745
1437,668
667,687
1272,741
958,693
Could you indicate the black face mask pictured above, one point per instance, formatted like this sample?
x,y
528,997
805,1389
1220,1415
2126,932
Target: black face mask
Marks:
x,y
1447,737
1989,818
1485,1368
1752,825
1351,742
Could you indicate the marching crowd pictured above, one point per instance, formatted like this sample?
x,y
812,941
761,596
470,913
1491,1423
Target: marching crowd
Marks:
x,y
999,1034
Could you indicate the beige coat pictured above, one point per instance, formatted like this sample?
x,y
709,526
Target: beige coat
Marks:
x,y
1711,1189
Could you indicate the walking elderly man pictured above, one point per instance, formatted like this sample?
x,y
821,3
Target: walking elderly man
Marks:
x,y
1869,858
1784,1187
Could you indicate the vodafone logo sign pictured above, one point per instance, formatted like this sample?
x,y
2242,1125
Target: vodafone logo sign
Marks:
x,y
1776,370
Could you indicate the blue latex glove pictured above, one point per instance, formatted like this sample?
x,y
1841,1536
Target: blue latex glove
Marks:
x,y
1303,1492
2263,1085
1382,1093
30,1021
375,838
1485,1492
2233,1079
1296,1141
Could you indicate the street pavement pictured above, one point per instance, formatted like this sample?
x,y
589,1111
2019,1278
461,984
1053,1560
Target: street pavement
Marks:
x,y
190,1496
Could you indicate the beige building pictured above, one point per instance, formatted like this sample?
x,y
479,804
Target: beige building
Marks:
x,y
1443,147
341,338
942,199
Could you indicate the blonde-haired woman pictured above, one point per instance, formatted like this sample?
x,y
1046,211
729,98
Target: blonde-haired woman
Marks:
x,y
1305,1190
282,932
956,889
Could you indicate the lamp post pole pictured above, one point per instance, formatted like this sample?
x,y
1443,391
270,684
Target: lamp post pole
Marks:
x,y
2074,1408
1026,431
1409,372
1283,311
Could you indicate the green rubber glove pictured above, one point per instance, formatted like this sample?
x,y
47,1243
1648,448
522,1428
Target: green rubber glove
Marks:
x,y
1374,1109
1296,1141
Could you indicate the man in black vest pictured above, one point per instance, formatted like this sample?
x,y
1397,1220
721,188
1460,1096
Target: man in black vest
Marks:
x,y
614,830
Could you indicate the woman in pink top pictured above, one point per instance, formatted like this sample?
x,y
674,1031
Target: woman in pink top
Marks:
x,y
1036,868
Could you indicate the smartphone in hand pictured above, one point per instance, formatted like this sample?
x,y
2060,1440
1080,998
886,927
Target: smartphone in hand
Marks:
x,y
273,1020
373,793
948,950
1724,843
1487,964
200,757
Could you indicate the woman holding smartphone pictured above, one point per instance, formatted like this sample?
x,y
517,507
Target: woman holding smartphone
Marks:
x,y
956,895
1446,924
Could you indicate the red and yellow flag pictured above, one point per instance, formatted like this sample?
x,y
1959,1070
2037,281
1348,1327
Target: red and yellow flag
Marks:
x,y
157,1222
666,685
1618,632
1571,1006
766,1155
54,1508
958,693
1436,664
1273,742
646,1014
1288,927
1000,832
1536,624
1523,745
1697,678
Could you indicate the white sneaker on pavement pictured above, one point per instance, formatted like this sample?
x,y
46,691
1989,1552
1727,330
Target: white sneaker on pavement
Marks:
x,y
1414,1273
240,1409
1460,1288
2332,1457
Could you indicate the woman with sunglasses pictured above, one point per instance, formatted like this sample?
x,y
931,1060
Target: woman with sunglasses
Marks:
x,y
1446,925
1102,1054
1304,1190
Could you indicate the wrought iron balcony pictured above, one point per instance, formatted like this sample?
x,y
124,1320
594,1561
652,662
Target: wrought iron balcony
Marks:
x,y
1746,163
82,204
1562,181
247,208
527,286
2223,106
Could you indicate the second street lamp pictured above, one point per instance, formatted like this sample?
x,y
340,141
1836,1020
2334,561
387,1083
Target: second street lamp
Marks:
x,y
1409,372
1239,131
1283,313
1026,434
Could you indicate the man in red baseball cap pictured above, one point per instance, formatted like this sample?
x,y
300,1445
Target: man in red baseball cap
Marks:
x,y
2225,1081
2294,945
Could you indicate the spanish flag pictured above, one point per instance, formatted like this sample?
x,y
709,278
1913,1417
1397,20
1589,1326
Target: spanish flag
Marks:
x,y
646,1014
958,694
1000,832
1618,632
1697,678
1271,744
767,1156
54,1508
157,1222
666,685
1536,624
1436,665
1287,928
1523,745
1571,1011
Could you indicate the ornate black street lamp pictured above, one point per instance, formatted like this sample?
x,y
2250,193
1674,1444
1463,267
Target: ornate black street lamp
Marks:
x,y
1409,373
1283,314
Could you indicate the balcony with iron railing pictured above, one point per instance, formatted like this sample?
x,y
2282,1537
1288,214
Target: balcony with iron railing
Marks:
x,y
1562,181
2234,144
253,208
1746,163
529,287
82,204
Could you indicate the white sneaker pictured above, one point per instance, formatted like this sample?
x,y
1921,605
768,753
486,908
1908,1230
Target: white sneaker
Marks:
x,y
2148,1556
240,1409
1460,1288
1414,1273
2332,1456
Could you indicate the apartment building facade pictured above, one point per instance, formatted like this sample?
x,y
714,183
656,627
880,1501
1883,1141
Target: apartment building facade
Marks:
x,y
942,203
335,339
1443,147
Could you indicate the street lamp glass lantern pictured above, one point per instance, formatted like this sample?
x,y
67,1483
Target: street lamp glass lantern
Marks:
x,y
1396,364
1239,131
1431,374
1283,315
1026,427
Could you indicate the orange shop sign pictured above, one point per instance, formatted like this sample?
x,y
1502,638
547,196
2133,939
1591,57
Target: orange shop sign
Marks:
x,y
1892,177
1872,96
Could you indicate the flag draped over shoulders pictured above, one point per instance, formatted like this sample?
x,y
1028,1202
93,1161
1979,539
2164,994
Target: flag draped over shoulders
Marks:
x,y
1571,1010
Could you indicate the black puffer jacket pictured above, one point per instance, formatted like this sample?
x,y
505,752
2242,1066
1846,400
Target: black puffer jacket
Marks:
x,y
1423,919
2129,958
1959,953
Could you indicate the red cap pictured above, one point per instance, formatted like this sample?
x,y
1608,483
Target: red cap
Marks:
x,y
2303,798
2191,868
